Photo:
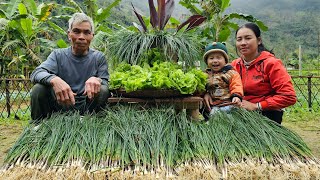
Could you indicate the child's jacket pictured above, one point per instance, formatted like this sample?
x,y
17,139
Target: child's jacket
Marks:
x,y
225,84
266,81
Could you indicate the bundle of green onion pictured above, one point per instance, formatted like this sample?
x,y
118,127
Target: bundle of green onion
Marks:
x,y
132,142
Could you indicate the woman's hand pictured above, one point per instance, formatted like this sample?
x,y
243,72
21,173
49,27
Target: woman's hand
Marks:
x,y
249,106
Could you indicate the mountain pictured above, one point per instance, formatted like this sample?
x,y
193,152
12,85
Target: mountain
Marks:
x,y
291,22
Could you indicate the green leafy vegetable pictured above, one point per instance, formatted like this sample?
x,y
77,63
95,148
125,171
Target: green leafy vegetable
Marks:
x,y
162,75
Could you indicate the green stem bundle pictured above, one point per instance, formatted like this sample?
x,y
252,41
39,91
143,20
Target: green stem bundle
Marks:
x,y
131,137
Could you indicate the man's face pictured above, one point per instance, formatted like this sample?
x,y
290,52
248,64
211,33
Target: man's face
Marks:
x,y
80,37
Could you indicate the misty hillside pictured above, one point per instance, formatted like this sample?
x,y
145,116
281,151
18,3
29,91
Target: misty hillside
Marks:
x,y
287,5
291,22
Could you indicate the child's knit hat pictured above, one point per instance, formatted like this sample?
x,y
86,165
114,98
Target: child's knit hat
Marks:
x,y
216,47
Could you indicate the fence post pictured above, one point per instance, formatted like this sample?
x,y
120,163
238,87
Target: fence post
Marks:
x,y
309,93
7,96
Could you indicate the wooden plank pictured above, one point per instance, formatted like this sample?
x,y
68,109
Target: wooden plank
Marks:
x,y
192,102
177,100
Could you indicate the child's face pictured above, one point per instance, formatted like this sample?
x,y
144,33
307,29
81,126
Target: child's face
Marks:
x,y
216,61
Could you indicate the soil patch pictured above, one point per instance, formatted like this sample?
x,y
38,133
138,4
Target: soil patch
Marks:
x,y
9,133
309,131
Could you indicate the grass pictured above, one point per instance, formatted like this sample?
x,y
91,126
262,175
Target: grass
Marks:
x,y
17,114
301,114
13,122
295,72
307,125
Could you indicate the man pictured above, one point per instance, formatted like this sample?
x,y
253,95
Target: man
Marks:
x,y
73,78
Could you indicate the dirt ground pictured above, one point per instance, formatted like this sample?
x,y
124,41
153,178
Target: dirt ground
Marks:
x,y
308,130
310,133
9,133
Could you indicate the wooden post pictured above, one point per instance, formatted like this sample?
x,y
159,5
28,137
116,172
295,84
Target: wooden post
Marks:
x,y
300,63
318,44
197,64
318,52
309,93
7,96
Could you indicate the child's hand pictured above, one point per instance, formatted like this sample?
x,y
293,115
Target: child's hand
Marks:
x,y
207,101
236,100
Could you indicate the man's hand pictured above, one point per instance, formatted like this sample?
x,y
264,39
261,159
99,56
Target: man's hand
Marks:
x,y
63,92
248,105
207,101
92,87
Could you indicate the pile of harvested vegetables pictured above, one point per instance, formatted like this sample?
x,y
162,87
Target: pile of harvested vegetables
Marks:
x,y
161,75
129,142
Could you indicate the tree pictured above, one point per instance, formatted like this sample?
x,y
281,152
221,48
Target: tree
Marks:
x,y
26,35
219,24
23,34
102,27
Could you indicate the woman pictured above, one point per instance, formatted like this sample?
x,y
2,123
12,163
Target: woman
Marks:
x,y
266,83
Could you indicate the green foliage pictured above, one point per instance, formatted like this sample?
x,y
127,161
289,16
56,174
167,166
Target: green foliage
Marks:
x,y
132,47
159,19
61,43
219,25
22,36
301,115
297,25
308,66
305,72
25,31
12,120
102,26
98,15
20,117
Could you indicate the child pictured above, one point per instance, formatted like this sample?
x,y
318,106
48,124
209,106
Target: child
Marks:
x,y
224,85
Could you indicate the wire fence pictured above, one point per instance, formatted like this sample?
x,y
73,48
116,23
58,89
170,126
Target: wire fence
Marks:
x,y
15,96
308,92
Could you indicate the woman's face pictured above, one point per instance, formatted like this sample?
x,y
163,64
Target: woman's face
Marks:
x,y
247,43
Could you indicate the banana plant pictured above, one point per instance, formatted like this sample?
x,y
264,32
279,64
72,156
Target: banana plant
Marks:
x,y
98,15
23,34
218,25
102,27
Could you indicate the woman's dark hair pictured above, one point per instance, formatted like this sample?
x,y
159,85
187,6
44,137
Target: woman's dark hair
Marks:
x,y
257,32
